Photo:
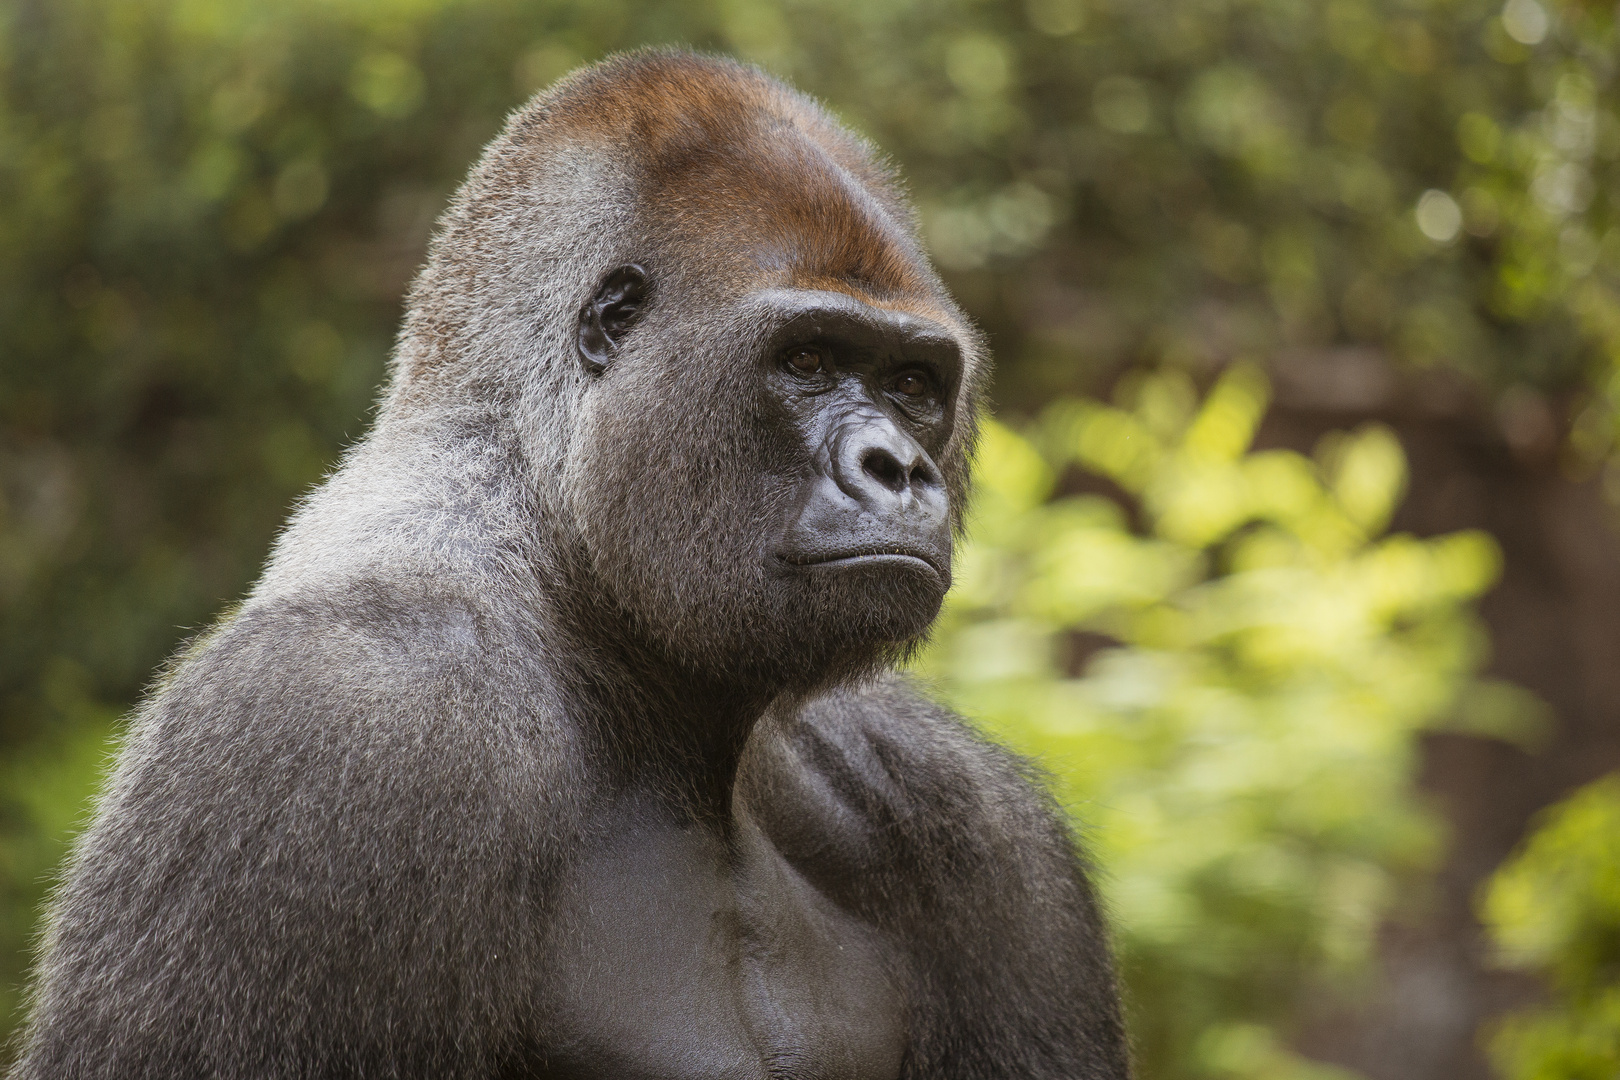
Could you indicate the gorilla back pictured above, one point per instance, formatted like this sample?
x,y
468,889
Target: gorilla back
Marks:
x,y
556,739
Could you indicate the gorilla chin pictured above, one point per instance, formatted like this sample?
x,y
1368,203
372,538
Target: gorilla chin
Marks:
x,y
912,586
859,613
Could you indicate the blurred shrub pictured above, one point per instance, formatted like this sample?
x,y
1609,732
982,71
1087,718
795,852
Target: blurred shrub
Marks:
x,y
1223,661
1555,909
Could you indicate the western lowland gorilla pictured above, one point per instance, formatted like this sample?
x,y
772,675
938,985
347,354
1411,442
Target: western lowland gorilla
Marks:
x,y
557,739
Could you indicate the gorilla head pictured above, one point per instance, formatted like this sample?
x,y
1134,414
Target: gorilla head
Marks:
x,y
747,399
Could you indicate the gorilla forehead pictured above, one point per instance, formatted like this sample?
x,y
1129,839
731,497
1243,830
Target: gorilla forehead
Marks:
x,y
751,177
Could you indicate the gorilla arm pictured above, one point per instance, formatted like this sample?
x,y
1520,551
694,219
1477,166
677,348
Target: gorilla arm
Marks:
x,y
897,810
324,853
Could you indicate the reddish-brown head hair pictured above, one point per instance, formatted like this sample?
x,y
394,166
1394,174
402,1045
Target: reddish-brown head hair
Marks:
x,y
755,174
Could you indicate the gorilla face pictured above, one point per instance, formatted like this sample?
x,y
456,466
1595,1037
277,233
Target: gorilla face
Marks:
x,y
761,489
869,392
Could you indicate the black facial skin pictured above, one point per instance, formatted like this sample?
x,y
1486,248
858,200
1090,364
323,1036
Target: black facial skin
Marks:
x,y
559,740
870,390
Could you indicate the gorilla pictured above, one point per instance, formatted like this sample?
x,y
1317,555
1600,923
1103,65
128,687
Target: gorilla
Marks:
x,y
560,737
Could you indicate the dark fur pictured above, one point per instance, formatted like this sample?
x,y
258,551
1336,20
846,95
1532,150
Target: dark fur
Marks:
x,y
340,836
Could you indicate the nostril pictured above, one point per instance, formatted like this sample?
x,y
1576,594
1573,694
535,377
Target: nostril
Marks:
x,y
882,466
922,476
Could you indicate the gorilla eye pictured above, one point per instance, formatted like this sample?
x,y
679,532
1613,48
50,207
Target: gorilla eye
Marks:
x,y
912,384
807,360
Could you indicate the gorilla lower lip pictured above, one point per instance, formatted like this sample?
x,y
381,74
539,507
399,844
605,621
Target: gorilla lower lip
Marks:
x,y
872,557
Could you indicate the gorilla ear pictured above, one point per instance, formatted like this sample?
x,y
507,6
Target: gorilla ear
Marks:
x,y
611,313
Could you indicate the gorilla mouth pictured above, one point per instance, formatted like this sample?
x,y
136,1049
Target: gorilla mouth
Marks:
x,y
870,556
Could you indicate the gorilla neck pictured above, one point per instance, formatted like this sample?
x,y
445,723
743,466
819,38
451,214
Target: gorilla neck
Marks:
x,y
669,732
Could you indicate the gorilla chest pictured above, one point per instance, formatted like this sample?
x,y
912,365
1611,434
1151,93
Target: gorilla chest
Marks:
x,y
676,962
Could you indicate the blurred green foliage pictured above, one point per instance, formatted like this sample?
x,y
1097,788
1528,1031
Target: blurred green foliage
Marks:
x,y
1226,689
208,211
1555,908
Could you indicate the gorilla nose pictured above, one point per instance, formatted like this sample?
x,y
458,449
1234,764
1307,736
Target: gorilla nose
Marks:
x,y
877,496
884,470
881,465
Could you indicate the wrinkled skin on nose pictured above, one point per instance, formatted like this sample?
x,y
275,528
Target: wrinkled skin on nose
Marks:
x,y
877,497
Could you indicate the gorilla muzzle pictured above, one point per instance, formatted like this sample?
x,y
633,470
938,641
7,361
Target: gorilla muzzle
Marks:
x,y
877,499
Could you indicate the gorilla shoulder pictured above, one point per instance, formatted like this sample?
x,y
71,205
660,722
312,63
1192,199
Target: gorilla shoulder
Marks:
x,y
894,808
345,634
875,783
384,671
